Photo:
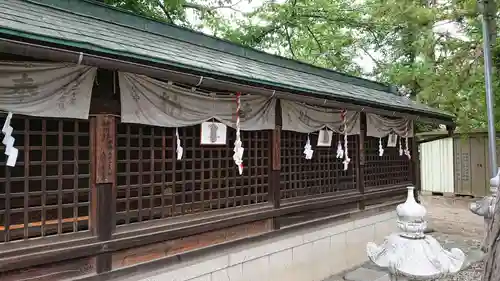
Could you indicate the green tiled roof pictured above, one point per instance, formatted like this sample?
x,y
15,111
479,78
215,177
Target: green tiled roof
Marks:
x,y
92,26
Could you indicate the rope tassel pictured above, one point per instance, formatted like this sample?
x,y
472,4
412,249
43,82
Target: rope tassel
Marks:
x,y
238,148
400,147
347,160
407,150
380,147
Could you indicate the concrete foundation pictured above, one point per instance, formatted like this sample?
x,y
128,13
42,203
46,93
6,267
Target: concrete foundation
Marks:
x,y
310,255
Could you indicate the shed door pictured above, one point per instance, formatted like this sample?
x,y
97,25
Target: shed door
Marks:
x,y
479,160
462,166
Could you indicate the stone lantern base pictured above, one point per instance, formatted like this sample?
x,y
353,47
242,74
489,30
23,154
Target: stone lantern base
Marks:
x,y
411,254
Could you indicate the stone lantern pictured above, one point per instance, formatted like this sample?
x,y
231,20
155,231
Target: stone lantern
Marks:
x,y
486,206
410,254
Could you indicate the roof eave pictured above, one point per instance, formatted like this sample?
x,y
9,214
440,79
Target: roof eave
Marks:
x,y
167,66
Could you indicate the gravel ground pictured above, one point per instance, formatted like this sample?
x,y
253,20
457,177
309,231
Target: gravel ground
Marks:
x,y
473,273
466,244
455,226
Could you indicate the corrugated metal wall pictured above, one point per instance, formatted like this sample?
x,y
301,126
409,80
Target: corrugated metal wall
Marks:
x,y
436,166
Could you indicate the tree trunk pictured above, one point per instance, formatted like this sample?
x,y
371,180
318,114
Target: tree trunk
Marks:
x,y
492,266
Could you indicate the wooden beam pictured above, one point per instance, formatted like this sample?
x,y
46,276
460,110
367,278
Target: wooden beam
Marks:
x,y
68,270
48,222
431,139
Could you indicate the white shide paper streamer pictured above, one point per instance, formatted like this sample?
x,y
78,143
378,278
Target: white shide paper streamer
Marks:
x,y
8,141
347,160
308,152
179,150
340,150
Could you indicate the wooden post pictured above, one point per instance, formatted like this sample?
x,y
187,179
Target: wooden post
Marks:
x,y
415,165
361,159
275,165
105,223
103,204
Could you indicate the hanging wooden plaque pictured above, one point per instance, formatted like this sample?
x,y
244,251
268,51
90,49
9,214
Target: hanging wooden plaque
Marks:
x,y
392,140
213,133
325,138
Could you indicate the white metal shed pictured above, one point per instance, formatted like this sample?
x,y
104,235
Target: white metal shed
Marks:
x,y
436,166
457,164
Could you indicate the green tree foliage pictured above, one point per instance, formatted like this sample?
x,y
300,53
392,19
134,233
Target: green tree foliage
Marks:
x,y
402,41
180,12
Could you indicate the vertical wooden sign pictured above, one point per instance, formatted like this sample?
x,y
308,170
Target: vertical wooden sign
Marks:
x,y
105,149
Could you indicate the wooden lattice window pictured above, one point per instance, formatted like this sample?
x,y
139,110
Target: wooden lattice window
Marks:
x,y
48,191
152,184
324,173
389,169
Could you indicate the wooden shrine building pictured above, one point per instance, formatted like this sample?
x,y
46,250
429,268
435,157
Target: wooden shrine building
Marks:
x,y
135,149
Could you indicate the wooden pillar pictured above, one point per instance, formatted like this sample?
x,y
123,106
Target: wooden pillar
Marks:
x,y
103,203
415,165
275,165
361,159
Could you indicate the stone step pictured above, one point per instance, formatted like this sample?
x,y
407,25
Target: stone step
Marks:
x,y
334,278
367,274
371,272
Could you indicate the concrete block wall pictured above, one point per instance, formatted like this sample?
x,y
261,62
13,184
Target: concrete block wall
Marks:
x,y
311,255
